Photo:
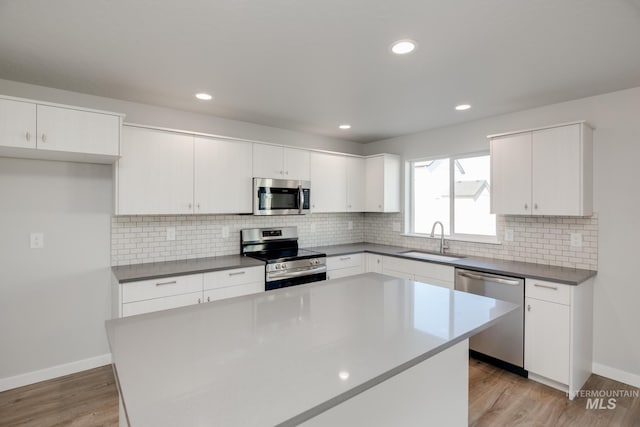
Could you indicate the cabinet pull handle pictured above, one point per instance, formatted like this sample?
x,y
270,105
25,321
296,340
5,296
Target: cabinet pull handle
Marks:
x,y
345,258
28,136
378,261
44,137
535,206
237,273
190,205
526,206
537,285
173,282
529,307
208,299
199,301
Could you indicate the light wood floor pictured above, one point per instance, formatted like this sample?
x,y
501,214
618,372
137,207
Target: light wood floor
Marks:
x,y
496,398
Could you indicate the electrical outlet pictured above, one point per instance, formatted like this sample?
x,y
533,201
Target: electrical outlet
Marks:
x,y
36,240
171,233
225,232
576,240
395,227
350,225
508,234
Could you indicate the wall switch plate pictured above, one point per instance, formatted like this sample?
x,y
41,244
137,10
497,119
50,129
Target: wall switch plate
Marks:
x,y
225,232
171,233
395,227
350,225
36,240
576,240
508,234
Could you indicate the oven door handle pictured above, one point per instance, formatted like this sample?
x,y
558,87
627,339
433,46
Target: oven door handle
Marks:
x,y
297,273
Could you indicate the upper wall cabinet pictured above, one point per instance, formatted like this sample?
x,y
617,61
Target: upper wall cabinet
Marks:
x,y
328,182
545,171
383,183
223,176
278,162
45,131
164,172
155,172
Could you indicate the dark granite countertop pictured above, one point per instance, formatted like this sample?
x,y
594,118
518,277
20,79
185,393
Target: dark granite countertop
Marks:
x,y
156,270
569,276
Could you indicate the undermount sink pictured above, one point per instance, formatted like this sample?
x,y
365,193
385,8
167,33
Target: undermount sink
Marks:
x,y
430,256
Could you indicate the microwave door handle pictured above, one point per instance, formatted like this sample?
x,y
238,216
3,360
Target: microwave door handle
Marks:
x,y
300,199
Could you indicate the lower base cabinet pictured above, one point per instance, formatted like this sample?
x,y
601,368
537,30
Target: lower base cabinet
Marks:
x,y
344,265
420,271
146,296
558,333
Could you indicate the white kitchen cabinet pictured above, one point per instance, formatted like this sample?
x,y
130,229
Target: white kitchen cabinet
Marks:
x,y
344,265
420,271
382,177
165,303
223,176
328,182
278,162
373,263
37,130
558,333
17,124
356,184
545,171
155,174
77,131
232,283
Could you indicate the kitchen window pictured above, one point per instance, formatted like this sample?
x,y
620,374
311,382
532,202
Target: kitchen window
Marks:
x,y
456,191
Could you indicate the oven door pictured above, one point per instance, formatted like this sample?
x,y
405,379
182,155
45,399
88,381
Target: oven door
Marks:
x,y
283,279
281,197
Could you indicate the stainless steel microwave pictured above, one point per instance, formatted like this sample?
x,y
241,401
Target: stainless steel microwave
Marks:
x,y
281,197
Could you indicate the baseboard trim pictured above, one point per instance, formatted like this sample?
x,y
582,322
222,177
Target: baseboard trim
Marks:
x,y
616,374
54,372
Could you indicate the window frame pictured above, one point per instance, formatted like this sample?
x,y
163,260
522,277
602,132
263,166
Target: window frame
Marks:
x,y
480,238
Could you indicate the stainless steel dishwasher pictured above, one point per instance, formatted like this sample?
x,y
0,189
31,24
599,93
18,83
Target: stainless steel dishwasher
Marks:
x,y
503,343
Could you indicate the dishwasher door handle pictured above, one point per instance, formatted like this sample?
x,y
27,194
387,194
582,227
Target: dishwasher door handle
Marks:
x,y
484,276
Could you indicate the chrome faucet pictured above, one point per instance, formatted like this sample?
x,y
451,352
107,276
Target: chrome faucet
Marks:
x,y
433,230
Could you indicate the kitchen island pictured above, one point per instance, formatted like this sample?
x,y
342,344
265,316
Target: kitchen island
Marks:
x,y
365,349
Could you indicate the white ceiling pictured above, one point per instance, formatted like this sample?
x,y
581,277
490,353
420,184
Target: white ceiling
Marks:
x,y
311,65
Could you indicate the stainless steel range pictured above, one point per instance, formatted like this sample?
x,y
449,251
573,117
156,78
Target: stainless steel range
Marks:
x,y
286,264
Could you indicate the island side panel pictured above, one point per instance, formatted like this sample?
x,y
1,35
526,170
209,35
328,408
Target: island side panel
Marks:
x,y
434,392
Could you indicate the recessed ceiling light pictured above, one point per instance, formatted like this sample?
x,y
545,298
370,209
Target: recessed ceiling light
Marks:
x,y
463,107
402,47
204,96
344,127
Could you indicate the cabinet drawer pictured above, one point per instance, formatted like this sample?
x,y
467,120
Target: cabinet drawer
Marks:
x,y
396,273
437,271
343,272
548,291
233,291
236,276
158,288
344,261
157,304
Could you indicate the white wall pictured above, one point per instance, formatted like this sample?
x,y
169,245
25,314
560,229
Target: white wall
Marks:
x,y
53,301
616,117
176,119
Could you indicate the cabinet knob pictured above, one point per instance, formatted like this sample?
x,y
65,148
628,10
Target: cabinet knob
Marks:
x,y
529,307
535,206
380,206
189,205
28,136
198,206
199,301
526,206
378,261
208,299
286,172
44,137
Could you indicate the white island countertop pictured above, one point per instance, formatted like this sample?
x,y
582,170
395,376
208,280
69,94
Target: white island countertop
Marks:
x,y
284,356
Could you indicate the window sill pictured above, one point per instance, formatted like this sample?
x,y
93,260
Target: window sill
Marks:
x,y
487,240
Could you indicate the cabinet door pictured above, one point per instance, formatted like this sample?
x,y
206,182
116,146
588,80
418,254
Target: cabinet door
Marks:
x,y
511,174
547,339
148,306
557,171
374,184
223,175
17,124
155,173
233,291
267,161
296,164
373,263
65,129
328,183
356,188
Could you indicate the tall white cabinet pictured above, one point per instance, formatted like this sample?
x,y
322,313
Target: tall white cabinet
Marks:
x,y
383,183
547,171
